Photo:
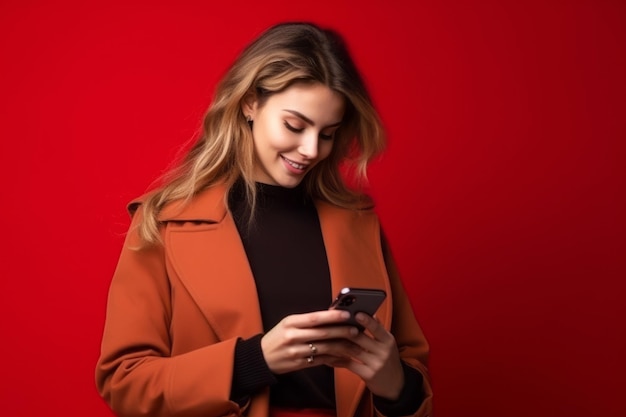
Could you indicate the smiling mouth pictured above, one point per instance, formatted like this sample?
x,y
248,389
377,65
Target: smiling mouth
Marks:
x,y
294,164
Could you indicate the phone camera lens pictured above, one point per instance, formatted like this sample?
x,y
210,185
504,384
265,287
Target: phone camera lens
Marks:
x,y
348,301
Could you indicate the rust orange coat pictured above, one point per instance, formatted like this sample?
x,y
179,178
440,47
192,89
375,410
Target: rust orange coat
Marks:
x,y
175,312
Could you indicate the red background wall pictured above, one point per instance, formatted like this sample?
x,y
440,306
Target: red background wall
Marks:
x,y
502,192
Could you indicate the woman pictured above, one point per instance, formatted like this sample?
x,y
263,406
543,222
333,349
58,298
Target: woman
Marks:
x,y
219,304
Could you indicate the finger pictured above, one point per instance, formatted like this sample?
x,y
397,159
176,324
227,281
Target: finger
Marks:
x,y
367,343
324,353
365,364
350,364
352,350
330,360
374,353
375,328
317,318
337,348
317,334
306,354
296,339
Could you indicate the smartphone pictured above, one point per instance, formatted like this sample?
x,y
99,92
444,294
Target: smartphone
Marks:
x,y
355,300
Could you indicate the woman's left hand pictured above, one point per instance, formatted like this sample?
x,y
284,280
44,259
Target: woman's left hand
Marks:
x,y
377,360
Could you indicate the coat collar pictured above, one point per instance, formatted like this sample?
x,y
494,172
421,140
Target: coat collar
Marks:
x,y
208,205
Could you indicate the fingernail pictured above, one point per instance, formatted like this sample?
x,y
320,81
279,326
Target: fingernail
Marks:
x,y
354,331
361,318
345,315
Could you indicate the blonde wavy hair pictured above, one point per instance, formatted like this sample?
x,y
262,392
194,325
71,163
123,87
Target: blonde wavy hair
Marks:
x,y
284,54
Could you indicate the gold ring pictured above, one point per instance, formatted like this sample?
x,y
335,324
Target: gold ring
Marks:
x,y
310,360
313,349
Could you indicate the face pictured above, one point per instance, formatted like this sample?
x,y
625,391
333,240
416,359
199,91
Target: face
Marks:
x,y
293,131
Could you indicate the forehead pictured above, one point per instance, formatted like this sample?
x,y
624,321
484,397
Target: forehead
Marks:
x,y
315,101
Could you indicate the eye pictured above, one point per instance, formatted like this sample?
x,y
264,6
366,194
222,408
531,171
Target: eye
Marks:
x,y
293,129
327,137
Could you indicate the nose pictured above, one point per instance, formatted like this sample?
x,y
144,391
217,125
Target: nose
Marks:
x,y
309,145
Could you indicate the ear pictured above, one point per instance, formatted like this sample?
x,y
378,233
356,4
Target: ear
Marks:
x,y
249,105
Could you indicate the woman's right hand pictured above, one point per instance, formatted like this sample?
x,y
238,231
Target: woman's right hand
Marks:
x,y
321,334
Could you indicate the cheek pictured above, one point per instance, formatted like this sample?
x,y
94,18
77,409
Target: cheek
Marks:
x,y
326,146
275,135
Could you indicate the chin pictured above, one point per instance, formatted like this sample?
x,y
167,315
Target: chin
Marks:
x,y
288,181
289,184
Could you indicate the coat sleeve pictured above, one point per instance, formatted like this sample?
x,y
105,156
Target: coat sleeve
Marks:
x,y
412,344
136,373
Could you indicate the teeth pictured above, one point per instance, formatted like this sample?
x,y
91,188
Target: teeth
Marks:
x,y
293,164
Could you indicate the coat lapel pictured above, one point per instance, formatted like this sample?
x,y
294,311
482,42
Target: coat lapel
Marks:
x,y
352,240
207,255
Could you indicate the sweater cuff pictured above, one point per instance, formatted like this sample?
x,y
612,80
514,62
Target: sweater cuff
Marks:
x,y
410,398
250,372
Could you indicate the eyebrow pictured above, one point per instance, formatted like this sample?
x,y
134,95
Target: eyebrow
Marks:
x,y
306,119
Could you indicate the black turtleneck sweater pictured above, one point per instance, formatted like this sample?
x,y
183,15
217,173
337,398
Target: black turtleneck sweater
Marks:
x,y
286,253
